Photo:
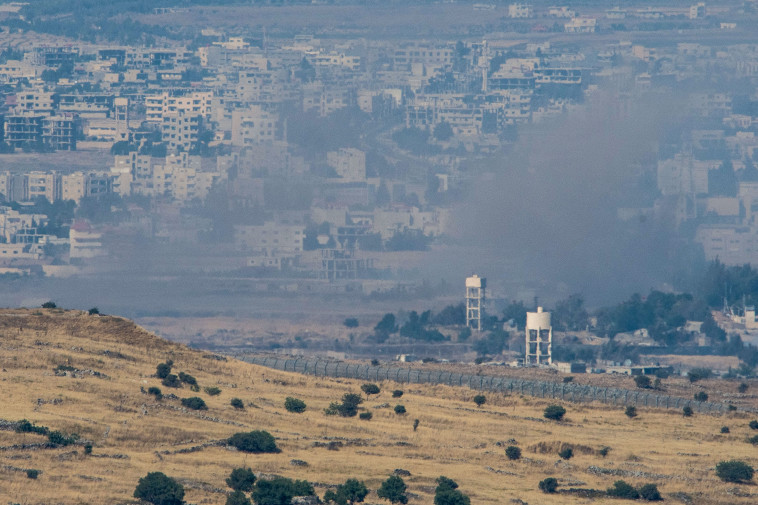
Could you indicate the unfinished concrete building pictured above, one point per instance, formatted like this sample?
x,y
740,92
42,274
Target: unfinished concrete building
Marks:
x,y
475,295
539,338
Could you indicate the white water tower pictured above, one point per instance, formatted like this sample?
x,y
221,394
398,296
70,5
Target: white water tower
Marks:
x,y
475,290
539,338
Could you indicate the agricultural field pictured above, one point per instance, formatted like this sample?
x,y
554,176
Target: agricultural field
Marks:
x,y
90,375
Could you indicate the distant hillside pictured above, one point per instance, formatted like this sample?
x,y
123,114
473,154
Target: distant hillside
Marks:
x,y
89,376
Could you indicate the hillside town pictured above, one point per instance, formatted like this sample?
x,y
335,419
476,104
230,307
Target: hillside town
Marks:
x,y
336,162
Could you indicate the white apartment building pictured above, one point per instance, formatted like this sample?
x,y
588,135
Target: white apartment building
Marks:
x,y
253,125
520,11
269,238
196,103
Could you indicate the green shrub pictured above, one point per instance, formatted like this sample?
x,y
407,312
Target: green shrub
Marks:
x,y
731,408
237,498
366,416
350,322
194,403
549,485
687,411
734,471
513,452
725,429
447,493
393,489
347,408
352,491
566,453
25,426
697,374
237,403
642,381
604,451
159,489
370,389
753,440
397,393
294,405
742,388
631,411
280,490
155,391
162,370
701,396
622,489
241,479
480,400
88,448
568,379
212,390
187,379
753,424
49,305
171,381
255,441
58,439
554,412
32,474
400,409
650,492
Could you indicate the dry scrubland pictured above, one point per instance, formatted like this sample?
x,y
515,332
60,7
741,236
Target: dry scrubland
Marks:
x,y
134,434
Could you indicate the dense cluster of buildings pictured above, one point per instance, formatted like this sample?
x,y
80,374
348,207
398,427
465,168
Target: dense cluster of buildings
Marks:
x,y
222,121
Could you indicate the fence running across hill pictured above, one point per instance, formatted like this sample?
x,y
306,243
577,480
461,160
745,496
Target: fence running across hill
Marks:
x,y
567,392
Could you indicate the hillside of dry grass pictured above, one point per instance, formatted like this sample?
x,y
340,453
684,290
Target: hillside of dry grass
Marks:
x,y
109,362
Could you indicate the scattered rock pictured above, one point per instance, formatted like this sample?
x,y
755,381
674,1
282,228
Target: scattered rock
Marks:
x,y
298,462
401,473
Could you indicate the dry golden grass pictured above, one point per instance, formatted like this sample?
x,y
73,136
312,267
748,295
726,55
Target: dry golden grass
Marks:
x,y
133,434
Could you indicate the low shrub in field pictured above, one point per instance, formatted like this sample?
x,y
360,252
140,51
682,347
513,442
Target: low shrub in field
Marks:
x,y
734,471
554,412
294,405
400,409
194,403
480,400
370,389
212,390
25,426
159,489
397,393
155,391
725,429
623,489
237,403
566,453
163,369
687,411
347,408
255,441
701,396
32,474
171,381
366,416
187,379
753,424
241,479
58,439
549,485
513,452
650,492
631,412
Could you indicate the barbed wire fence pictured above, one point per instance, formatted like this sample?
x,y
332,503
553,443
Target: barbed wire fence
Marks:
x,y
540,389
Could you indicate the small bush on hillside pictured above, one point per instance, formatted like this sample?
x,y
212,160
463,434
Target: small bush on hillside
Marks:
x,y
32,474
49,305
187,379
241,479
237,498
742,388
734,471
352,491
294,405
163,369
94,311
347,408
753,440
631,412
566,453
194,403
212,391
159,489
155,391
642,381
88,448
701,396
549,485
513,452
650,492
397,393
171,381
237,403
370,389
366,416
604,451
58,439
568,379
393,489
687,411
697,374
350,322
255,441
480,400
622,489
725,429
554,412
400,409
25,426
280,490
753,424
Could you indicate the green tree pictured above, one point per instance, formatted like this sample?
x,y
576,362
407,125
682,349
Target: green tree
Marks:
x,y
237,498
237,403
280,491
241,479
294,405
350,322
194,403
650,492
352,491
701,396
554,412
393,490
696,374
400,409
642,381
734,471
256,441
566,453
622,489
370,389
159,489
447,493
163,370
631,411
549,485
480,400
513,452
687,411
